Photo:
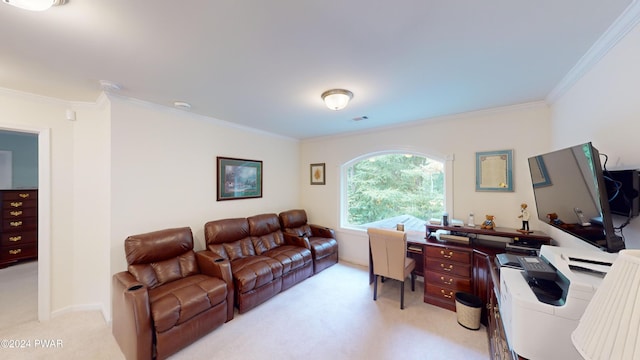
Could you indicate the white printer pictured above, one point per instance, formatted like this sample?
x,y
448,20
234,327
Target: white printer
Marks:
x,y
540,328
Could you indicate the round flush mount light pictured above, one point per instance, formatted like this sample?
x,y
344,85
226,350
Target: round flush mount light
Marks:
x,y
182,105
337,99
34,5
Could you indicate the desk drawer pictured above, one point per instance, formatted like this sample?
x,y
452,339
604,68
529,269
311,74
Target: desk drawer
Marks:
x,y
447,295
19,224
449,281
19,204
20,194
448,267
445,253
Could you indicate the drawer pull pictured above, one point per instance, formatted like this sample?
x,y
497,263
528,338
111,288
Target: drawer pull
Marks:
x,y
24,196
15,252
15,223
446,255
448,296
16,204
444,281
15,238
16,213
445,268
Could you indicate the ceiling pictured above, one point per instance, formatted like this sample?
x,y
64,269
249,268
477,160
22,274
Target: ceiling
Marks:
x,y
264,64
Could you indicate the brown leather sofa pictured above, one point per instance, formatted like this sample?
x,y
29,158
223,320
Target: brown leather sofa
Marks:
x,y
170,296
263,263
322,240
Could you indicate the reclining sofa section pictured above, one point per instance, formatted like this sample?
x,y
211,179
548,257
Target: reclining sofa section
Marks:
x,y
263,261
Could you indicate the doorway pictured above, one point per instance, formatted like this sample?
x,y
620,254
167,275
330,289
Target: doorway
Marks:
x,y
37,272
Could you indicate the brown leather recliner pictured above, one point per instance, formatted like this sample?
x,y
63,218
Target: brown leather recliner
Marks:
x,y
322,240
170,296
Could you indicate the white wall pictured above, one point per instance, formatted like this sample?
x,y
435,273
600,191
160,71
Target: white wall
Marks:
x,y
523,129
603,107
163,171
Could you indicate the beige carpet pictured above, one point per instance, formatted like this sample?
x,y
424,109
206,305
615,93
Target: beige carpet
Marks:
x,y
329,316
18,294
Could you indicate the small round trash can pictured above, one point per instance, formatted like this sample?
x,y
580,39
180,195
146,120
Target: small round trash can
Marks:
x,y
468,310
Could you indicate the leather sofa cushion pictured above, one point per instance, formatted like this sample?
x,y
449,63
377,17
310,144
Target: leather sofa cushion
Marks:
x,y
239,249
291,257
176,302
294,219
323,246
264,243
157,273
255,271
158,245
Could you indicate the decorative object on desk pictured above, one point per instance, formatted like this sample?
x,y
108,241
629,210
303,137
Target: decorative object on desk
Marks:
x,y
608,329
489,222
317,174
471,220
524,216
493,171
238,178
400,227
445,219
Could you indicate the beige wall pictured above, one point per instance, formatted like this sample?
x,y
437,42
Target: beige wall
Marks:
x,y
603,107
523,129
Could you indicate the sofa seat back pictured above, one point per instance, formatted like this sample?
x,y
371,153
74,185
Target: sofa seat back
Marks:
x,y
160,257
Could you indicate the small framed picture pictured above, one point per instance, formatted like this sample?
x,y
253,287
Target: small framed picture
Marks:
x,y
317,174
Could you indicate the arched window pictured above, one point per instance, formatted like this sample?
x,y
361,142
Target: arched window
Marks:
x,y
383,190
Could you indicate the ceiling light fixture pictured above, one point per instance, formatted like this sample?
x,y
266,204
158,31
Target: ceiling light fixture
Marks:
x,y
109,86
337,99
34,5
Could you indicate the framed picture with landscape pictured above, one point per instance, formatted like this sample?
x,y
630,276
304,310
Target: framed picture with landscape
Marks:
x,y
238,178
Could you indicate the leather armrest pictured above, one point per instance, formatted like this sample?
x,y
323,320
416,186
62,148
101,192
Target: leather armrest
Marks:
x,y
211,264
292,239
322,231
132,317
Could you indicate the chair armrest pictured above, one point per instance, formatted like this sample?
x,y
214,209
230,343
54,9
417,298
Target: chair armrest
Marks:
x,y
211,264
131,326
297,240
322,231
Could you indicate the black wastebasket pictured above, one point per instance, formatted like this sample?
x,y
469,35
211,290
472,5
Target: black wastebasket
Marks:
x,y
468,310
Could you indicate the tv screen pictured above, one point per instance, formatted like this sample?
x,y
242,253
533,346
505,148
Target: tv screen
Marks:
x,y
570,194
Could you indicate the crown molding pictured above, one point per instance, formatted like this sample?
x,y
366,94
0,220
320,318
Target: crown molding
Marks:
x,y
616,32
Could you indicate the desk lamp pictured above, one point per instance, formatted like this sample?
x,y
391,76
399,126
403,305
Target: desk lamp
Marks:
x,y
610,325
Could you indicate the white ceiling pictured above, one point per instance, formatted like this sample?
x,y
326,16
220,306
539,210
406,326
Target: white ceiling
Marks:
x,y
264,64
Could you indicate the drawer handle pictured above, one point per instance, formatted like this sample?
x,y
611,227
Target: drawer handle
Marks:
x,y
15,223
16,204
16,213
445,268
15,238
24,196
444,281
15,252
446,255
448,296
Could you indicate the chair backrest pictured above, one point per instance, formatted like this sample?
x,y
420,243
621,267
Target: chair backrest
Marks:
x,y
295,222
159,257
388,251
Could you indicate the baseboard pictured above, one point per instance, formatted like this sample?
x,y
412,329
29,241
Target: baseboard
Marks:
x,y
79,308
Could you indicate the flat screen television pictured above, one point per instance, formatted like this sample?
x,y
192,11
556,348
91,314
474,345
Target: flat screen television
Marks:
x,y
570,193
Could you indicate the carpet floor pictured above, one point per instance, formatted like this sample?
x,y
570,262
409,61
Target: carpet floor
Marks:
x,y
331,315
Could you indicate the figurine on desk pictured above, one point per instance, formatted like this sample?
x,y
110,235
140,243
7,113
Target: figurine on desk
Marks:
x,y
488,223
524,215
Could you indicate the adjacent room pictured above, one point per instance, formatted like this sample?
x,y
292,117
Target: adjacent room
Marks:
x,y
218,179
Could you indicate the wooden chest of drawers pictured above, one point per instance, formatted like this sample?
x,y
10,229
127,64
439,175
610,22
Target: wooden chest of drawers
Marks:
x,y
18,226
447,271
